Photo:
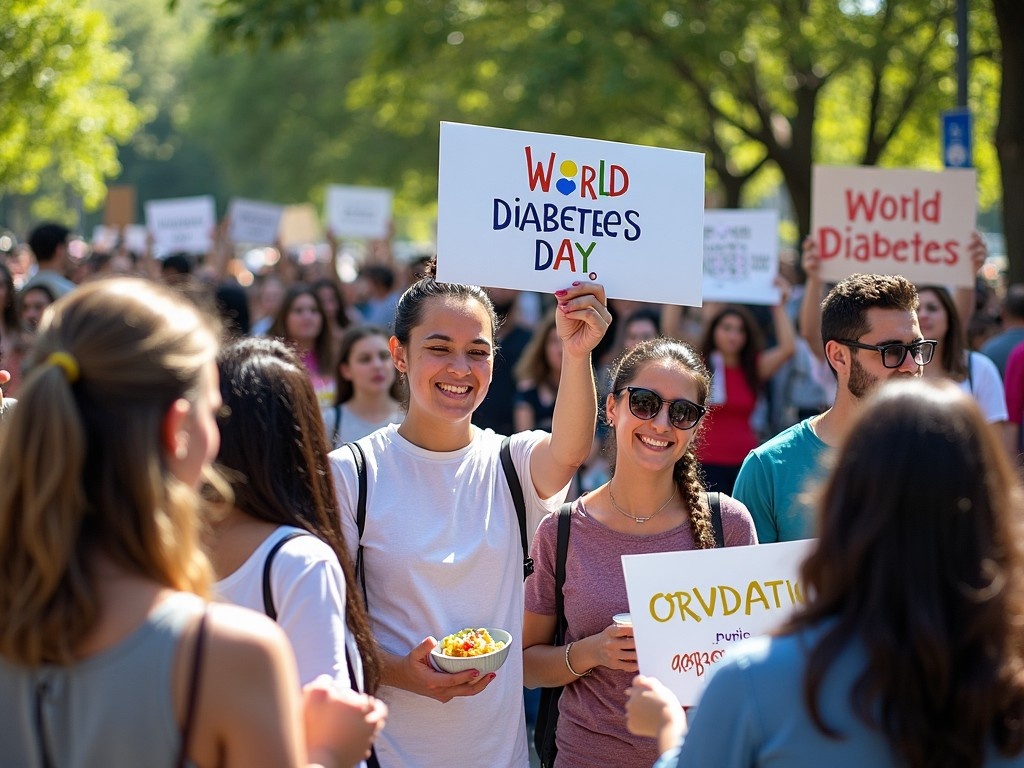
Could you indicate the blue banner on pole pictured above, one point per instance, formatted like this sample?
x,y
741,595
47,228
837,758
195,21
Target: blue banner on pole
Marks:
x,y
957,147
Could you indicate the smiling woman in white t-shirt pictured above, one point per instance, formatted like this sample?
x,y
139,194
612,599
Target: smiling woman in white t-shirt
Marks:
x,y
441,544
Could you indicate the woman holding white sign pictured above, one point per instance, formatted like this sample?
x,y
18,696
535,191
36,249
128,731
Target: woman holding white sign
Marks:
x,y
909,650
441,548
655,502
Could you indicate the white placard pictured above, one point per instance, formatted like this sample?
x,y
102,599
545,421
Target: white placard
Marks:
x,y
689,607
181,224
741,256
895,222
358,211
253,222
536,212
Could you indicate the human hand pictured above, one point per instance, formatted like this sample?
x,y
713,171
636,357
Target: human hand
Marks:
x,y
785,290
612,647
582,318
652,710
339,722
811,259
418,675
978,251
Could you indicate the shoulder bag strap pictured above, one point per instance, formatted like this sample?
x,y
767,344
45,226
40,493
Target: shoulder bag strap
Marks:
x,y
715,503
561,552
193,690
268,595
512,477
360,459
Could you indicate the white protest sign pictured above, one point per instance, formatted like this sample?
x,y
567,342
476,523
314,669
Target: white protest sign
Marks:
x,y
254,222
358,211
181,224
689,607
536,212
741,256
894,222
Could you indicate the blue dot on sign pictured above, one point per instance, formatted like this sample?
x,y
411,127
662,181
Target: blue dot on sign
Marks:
x,y
566,186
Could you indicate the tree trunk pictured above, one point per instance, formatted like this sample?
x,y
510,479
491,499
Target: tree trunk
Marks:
x,y
1010,131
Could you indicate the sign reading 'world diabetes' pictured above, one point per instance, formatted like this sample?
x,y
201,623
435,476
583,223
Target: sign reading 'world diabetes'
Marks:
x,y
537,212
688,607
894,222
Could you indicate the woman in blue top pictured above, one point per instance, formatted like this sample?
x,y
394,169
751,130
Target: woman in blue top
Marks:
x,y
910,650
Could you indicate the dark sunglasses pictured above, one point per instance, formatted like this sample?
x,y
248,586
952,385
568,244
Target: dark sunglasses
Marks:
x,y
893,355
645,404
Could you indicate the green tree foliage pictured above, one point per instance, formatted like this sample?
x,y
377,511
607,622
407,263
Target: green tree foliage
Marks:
x,y
65,110
754,83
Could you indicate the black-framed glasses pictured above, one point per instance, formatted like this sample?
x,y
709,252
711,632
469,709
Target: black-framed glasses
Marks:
x,y
645,404
893,355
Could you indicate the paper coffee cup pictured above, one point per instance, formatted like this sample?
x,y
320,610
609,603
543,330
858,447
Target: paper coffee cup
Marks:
x,y
622,620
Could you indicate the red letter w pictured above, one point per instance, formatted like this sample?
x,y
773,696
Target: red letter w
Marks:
x,y
536,172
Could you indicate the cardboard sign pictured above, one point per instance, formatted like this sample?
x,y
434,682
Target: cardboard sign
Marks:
x,y
536,212
119,210
358,211
741,256
183,224
253,222
894,222
688,607
299,226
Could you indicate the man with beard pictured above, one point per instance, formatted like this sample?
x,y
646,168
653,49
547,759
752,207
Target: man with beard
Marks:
x,y
870,333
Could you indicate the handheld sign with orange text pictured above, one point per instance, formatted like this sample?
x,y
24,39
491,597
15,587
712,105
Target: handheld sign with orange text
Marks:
x,y
894,222
689,607
537,212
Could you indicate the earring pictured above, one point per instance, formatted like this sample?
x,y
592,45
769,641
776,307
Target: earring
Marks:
x,y
181,451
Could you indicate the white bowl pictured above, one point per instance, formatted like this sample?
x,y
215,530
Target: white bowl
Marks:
x,y
484,663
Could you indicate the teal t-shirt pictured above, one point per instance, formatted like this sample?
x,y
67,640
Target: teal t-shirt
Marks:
x,y
773,480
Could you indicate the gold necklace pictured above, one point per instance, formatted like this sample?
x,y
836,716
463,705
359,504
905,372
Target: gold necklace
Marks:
x,y
634,518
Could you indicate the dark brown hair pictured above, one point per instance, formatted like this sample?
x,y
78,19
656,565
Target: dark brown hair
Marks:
x,y
349,339
323,345
920,562
751,348
954,343
274,453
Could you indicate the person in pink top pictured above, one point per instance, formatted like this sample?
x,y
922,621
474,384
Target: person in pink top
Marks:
x,y
654,502
740,367
301,323
1013,384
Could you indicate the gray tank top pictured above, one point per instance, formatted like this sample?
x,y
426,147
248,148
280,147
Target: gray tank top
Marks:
x,y
112,710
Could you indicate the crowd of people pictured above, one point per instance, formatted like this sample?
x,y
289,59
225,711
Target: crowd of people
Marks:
x,y
376,464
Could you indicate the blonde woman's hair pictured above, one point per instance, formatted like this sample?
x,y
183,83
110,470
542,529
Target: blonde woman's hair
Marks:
x,y
82,468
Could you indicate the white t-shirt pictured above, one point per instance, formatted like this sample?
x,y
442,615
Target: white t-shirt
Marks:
x,y
986,385
441,552
308,590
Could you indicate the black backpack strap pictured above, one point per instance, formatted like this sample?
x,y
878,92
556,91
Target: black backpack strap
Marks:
x,y
360,459
715,503
518,500
268,595
561,552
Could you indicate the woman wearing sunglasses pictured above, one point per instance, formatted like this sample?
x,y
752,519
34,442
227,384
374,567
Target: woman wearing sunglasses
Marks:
x,y
654,502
